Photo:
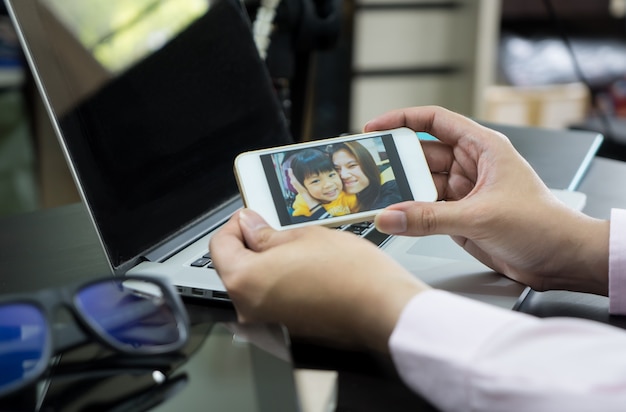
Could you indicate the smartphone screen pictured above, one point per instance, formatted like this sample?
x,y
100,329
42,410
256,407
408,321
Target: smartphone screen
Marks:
x,y
333,175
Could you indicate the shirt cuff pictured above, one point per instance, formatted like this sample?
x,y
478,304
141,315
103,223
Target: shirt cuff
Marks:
x,y
617,263
437,336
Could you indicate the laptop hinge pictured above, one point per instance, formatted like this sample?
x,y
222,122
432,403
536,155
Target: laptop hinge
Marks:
x,y
193,231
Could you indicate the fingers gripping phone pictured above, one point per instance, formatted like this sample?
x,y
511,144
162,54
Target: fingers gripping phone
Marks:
x,y
335,181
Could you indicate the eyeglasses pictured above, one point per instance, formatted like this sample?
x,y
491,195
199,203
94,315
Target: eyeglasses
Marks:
x,y
133,315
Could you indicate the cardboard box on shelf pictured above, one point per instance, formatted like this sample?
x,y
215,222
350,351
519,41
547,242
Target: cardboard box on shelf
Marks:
x,y
553,106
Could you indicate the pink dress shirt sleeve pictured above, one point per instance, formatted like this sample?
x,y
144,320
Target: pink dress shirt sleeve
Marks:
x,y
463,355
617,263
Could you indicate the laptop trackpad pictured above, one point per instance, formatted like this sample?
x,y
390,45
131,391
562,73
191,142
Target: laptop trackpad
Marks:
x,y
443,264
439,246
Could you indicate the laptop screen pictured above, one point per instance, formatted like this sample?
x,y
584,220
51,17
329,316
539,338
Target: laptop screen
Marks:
x,y
152,101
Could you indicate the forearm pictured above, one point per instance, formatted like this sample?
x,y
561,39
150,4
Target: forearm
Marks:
x,y
583,253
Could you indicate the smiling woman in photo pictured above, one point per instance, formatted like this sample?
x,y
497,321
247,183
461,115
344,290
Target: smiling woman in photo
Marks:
x,y
360,176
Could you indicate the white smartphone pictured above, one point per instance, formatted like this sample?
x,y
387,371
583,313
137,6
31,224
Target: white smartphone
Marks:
x,y
333,182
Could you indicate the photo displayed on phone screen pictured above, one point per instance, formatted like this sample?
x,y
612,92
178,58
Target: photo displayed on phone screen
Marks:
x,y
335,179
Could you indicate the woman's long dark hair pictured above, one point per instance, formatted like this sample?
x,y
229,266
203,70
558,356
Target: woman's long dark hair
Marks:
x,y
367,196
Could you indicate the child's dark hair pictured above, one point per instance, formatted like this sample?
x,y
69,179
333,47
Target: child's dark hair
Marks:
x,y
308,162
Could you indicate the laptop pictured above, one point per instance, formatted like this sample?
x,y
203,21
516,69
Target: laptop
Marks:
x,y
152,103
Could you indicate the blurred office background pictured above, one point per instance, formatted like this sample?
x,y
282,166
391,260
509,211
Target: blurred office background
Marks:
x,y
548,63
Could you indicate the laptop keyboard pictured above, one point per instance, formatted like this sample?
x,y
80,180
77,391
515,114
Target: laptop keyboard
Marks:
x,y
204,261
363,229
366,230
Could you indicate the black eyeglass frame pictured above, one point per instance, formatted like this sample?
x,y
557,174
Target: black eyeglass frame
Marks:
x,y
47,301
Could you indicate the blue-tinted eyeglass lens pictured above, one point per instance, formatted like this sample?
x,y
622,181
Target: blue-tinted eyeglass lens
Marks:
x,y
23,343
132,314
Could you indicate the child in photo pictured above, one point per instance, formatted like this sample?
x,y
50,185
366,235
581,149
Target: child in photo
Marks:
x,y
319,186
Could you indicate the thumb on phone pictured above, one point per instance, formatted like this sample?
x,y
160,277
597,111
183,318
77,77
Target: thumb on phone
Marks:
x,y
421,219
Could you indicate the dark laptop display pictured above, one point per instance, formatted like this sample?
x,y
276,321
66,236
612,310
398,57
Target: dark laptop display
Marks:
x,y
152,142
